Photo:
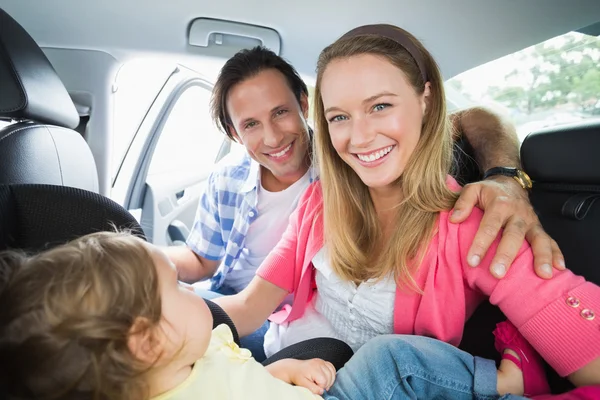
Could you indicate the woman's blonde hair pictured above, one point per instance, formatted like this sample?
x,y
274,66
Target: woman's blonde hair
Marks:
x,y
353,231
67,315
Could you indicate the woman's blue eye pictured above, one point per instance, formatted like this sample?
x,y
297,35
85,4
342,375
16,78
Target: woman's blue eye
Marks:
x,y
337,118
379,107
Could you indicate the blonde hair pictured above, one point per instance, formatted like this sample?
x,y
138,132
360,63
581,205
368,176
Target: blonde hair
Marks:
x,y
353,231
67,315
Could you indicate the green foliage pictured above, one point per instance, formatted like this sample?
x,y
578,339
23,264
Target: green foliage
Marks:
x,y
553,73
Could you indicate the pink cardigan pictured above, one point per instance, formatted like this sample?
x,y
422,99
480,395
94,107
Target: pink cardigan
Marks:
x,y
549,313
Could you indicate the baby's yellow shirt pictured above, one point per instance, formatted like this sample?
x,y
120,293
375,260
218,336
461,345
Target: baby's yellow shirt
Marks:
x,y
229,372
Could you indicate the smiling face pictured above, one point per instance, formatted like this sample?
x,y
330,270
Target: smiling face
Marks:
x,y
269,121
383,149
375,123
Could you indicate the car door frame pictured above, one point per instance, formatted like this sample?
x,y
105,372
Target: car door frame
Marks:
x,y
130,183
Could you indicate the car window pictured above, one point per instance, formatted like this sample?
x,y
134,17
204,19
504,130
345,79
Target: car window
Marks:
x,y
189,141
137,84
554,82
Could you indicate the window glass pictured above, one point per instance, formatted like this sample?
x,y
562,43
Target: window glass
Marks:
x,y
189,141
137,84
554,82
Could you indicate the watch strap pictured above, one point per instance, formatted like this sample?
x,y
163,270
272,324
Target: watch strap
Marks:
x,y
505,171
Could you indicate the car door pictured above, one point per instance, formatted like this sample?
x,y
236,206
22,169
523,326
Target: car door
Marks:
x,y
166,167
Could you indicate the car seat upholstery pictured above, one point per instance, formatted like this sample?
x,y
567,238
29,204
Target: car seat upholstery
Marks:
x,y
333,350
34,217
564,165
41,146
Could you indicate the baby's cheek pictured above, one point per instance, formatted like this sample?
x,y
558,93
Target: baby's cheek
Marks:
x,y
187,286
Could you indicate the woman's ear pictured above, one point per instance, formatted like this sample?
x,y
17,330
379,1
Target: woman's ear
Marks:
x,y
426,97
145,342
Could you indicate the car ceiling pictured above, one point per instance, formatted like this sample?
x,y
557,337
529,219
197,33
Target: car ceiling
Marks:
x,y
460,33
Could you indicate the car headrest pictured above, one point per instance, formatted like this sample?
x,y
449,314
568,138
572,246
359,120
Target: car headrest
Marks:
x,y
564,154
30,87
46,154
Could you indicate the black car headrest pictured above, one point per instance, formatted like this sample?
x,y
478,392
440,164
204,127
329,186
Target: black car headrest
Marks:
x,y
30,89
565,154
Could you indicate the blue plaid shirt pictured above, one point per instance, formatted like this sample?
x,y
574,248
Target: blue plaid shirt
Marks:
x,y
226,210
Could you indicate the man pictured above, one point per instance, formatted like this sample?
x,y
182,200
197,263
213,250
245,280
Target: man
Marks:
x,y
260,101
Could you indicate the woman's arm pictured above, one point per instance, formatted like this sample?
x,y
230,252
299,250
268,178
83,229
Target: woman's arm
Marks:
x,y
250,308
553,315
274,279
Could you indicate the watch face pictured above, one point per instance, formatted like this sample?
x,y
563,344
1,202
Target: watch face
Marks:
x,y
524,179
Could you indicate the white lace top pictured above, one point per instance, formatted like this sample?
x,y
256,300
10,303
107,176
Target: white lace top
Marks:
x,y
339,309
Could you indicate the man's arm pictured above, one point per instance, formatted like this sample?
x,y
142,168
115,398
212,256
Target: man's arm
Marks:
x,y
493,137
190,266
505,203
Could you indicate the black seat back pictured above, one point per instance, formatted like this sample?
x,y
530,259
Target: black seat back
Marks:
x,y
42,146
37,217
564,164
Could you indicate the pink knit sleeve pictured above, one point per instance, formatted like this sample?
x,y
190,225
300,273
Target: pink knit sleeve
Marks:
x,y
555,316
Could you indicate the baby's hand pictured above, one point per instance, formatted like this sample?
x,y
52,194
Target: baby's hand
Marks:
x,y
316,375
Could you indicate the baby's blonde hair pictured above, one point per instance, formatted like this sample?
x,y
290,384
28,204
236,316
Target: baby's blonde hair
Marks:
x,y
67,314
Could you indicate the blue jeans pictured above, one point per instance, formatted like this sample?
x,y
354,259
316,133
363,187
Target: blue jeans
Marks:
x,y
414,367
254,341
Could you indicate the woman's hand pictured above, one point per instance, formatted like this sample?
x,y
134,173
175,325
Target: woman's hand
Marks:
x,y
316,375
251,307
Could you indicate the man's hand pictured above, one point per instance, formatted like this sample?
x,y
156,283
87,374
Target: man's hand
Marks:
x,y
316,375
506,205
190,266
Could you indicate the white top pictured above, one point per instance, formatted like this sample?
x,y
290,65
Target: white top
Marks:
x,y
339,309
274,210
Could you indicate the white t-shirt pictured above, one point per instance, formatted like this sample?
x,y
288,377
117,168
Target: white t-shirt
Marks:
x,y
274,210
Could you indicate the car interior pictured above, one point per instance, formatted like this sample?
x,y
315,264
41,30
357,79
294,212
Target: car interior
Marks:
x,y
104,116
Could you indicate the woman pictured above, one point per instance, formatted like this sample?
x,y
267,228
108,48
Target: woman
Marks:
x,y
370,250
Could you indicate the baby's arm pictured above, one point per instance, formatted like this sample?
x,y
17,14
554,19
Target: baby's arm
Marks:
x,y
316,375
